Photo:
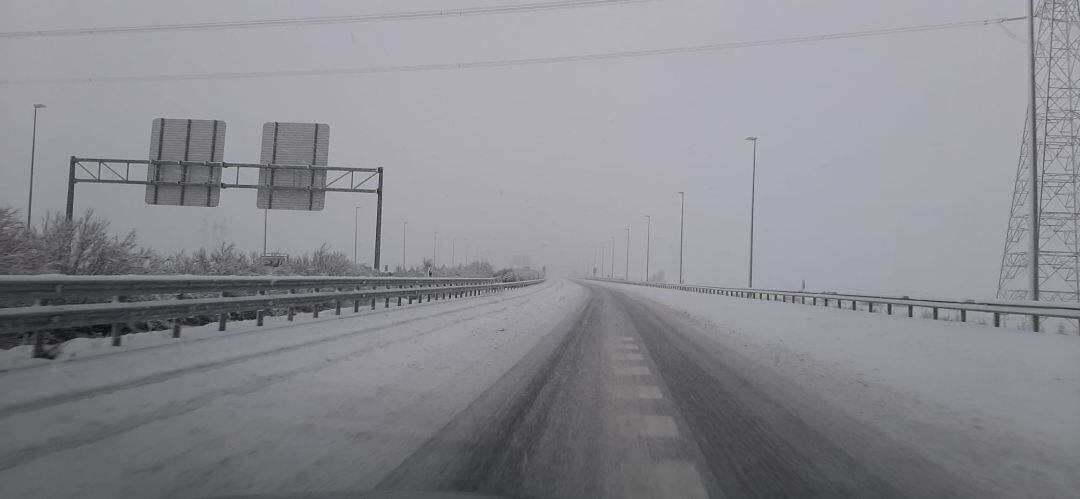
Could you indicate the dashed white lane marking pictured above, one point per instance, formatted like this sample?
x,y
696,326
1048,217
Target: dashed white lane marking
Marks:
x,y
627,356
628,339
647,392
678,479
648,425
625,346
631,370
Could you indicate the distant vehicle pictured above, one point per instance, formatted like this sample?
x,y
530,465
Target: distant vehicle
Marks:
x,y
274,259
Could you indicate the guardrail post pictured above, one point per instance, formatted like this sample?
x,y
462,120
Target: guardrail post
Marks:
x,y
337,307
911,311
176,328
870,306
114,329
221,321
997,319
963,315
39,345
888,308
292,312
935,313
387,302
373,303
259,313
39,337
399,300
316,309
1035,323
114,333
356,305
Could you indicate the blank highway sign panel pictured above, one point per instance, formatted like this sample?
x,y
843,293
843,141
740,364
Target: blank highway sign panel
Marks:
x,y
185,140
293,144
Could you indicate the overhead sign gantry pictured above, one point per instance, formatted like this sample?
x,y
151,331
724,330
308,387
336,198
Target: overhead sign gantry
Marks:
x,y
186,168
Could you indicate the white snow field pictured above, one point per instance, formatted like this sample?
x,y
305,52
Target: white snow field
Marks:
x,y
338,400
1010,399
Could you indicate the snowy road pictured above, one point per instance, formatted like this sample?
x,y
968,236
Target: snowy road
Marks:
x,y
565,389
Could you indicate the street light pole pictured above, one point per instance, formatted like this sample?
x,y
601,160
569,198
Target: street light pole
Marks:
x,y
628,253
595,259
434,249
682,229
648,243
453,251
356,234
33,148
404,233
603,265
266,227
753,182
612,274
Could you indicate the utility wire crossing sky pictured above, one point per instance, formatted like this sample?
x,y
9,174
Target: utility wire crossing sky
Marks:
x,y
307,21
522,62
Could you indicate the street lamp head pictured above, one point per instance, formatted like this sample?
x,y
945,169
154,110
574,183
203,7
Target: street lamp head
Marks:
x,y
752,139
39,106
681,193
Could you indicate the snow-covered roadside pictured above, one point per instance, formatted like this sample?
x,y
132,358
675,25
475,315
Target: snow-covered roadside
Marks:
x,y
1010,398
159,352
283,411
22,356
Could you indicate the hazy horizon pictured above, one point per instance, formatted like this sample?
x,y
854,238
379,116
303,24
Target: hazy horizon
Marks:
x,y
885,164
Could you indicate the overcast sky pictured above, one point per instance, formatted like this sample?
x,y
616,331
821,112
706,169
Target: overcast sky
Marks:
x,y
885,164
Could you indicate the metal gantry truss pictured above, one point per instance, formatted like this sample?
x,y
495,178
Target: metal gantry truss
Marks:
x,y
1057,120
134,172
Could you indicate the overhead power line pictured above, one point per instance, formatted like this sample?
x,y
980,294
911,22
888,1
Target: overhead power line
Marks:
x,y
520,62
307,21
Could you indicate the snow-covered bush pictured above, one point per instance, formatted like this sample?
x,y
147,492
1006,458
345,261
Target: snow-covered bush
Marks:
x,y
81,246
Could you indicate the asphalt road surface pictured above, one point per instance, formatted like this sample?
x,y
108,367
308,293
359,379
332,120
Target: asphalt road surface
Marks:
x,y
626,399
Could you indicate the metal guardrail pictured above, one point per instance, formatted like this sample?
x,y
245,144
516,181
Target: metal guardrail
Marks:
x,y
69,287
162,298
999,309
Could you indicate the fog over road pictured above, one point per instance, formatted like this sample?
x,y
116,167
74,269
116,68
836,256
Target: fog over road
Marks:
x,y
565,389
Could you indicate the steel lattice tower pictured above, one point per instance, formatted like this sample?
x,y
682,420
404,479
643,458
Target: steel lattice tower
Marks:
x,y
1057,120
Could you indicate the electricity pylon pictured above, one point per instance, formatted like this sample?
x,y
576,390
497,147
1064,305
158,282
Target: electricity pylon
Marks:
x,y
1057,134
